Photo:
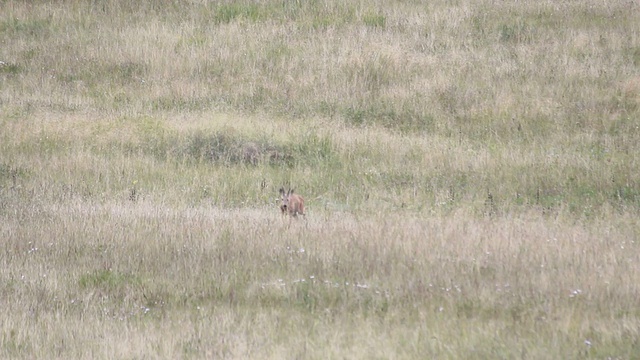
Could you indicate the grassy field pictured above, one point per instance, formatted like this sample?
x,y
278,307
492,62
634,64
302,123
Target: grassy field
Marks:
x,y
470,170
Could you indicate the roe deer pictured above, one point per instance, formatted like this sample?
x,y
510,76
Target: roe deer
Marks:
x,y
292,204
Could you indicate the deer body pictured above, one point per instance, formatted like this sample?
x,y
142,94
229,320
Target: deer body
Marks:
x,y
292,204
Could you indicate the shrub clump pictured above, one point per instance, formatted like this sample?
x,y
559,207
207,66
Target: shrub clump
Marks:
x,y
228,149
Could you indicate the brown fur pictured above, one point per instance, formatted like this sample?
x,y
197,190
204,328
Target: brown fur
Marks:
x,y
292,204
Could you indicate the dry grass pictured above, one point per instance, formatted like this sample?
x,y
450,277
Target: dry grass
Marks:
x,y
146,279
469,171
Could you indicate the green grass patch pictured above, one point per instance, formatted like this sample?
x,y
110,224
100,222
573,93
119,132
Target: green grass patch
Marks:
x,y
107,280
9,68
374,20
26,26
226,13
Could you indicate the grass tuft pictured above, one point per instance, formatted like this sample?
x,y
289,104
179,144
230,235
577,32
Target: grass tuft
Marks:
x,y
9,68
374,20
226,13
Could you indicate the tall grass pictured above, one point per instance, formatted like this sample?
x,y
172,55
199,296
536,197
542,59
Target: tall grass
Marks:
x,y
469,170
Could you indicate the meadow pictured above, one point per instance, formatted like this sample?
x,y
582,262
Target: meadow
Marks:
x,y
470,170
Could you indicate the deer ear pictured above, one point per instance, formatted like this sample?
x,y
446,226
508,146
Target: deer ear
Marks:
x,y
282,191
291,191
